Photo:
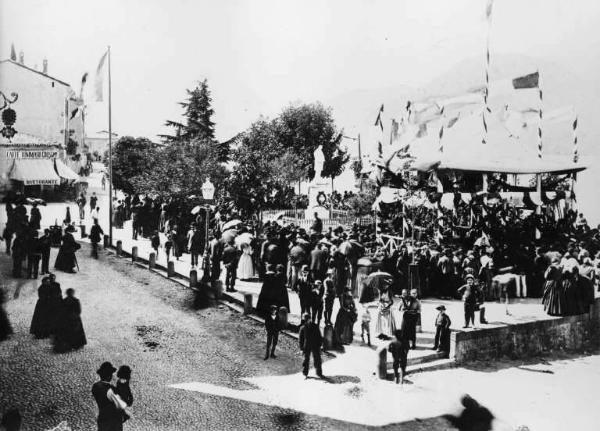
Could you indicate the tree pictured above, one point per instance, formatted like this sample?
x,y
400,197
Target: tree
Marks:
x,y
360,203
132,158
198,125
303,128
253,179
180,170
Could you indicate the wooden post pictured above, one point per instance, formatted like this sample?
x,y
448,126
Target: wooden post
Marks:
x,y
152,260
248,303
193,279
134,253
106,241
170,269
82,227
119,248
382,362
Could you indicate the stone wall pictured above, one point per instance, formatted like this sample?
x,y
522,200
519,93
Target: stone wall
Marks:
x,y
529,338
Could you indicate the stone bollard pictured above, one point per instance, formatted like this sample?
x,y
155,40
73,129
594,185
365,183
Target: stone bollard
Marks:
x,y
247,303
193,279
119,248
106,241
382,362
170,269
82,227
328,337
134,253
152,261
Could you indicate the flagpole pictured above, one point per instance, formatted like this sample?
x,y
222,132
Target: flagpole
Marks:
x,y
110,172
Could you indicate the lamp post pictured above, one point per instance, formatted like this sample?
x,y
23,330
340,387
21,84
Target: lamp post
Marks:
x,y
208,193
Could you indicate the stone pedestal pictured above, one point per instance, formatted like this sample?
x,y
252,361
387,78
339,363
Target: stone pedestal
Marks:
x,y
193,279
170,269
134,253
119,248
328,337
382,362
247,303
152,261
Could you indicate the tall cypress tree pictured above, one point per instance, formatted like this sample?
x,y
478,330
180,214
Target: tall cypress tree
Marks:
x,y
198,125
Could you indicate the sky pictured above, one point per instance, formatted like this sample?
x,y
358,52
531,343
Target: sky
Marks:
x,y
259,56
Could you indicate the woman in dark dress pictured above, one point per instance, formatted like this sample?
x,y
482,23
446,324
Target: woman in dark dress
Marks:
x,y
554,296
65,260
40,321
70,333
269,292
345,319
5,328
281,298
569,285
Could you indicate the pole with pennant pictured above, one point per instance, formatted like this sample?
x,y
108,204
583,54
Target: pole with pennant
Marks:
x,y
110,171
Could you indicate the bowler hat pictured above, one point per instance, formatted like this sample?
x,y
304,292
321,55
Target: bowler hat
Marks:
x,y
441,308
106,367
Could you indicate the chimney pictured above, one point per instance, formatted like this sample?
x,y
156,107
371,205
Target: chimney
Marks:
x,y
21,57
45,67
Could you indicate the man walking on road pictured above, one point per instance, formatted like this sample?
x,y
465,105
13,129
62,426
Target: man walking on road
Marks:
x,y
45,245
95,237
230,260
273,326
81,201
310,341
93,201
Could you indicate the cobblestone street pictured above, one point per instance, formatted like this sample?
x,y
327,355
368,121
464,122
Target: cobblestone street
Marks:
x,y
138,318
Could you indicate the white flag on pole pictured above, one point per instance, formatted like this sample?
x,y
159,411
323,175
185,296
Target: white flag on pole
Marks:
x,y
100,77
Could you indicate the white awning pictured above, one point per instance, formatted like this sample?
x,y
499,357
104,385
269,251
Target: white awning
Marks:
x,y
64,171
34,172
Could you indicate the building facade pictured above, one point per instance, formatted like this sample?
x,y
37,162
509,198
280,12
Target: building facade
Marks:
x,y
35,159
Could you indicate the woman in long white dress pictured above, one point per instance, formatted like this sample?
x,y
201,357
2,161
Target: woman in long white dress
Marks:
x,y
245,265
385,322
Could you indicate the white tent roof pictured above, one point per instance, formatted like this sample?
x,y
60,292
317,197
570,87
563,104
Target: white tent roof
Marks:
x,y
511,139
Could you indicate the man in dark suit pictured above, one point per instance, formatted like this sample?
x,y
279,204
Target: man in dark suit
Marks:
x,y
310,341
216,254
34,255
272,326
318,263
230,260
109,415
95,235
45,243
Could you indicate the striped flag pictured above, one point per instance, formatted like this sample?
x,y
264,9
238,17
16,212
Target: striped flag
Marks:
x,y
378,121
100,77
575,149
528,81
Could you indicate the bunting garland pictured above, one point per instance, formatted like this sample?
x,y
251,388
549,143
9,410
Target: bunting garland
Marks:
x,y
488,16
441,134
541,116
575,149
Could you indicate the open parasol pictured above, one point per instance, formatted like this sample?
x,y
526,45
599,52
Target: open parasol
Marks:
x,y
244,238
374,284
232,224
229,235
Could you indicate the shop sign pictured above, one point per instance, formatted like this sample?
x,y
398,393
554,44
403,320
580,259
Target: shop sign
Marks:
x,y
31,154
41,182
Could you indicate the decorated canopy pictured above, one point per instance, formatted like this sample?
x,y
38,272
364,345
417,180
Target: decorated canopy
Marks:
x,y
510,133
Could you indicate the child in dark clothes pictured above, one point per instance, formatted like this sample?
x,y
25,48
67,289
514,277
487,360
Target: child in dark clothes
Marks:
x,y
123,389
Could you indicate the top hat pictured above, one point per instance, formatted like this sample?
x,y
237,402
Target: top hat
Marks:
x,y
105,368
441,308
